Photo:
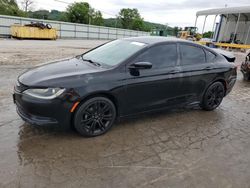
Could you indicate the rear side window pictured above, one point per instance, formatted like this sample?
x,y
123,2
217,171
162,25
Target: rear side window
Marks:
x,y
160,56
210,56
191,55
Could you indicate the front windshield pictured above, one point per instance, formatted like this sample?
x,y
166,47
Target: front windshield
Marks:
x,y
114,52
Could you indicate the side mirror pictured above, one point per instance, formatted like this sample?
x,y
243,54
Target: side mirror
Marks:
x,y
141,65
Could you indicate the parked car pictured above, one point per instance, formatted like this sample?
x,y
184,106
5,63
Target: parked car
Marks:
x,y
121,78
245,67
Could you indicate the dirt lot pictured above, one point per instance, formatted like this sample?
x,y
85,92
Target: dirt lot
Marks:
x,y
181,148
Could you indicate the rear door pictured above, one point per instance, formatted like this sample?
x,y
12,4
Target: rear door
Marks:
x,y
197,68
155,87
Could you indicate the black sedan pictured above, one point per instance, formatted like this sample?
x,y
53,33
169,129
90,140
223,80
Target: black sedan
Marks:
x,y
121,78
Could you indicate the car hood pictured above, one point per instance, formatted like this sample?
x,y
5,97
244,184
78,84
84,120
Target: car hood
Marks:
x,y
57,72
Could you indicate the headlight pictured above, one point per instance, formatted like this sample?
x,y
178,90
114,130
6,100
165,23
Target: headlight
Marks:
x,y
48,93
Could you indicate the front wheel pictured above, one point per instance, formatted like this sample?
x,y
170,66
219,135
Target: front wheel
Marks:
x,y
213,96
95,116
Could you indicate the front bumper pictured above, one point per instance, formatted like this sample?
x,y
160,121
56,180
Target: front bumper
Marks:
x,y
41,112
35,120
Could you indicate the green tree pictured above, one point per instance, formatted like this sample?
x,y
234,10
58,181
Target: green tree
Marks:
x,y
97,18
78,12
138,24
10,7
39,14
82,12
208,34
113,22
48,15
131,19
56,15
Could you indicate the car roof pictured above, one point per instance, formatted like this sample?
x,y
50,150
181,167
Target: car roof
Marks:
x,y
151,40
155,39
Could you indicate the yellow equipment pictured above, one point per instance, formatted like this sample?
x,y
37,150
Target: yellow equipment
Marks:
x,y
189,33
225,45
27,32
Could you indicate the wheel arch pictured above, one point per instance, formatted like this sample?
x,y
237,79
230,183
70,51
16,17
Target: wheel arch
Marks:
x,y
97,94
221,80
203,104
101,94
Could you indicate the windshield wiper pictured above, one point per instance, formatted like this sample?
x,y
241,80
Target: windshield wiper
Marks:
x,y
91,61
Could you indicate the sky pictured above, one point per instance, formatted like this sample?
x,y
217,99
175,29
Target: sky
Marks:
x,y
179,13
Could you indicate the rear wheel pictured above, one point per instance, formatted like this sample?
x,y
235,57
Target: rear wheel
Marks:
x,y
213,96
95,116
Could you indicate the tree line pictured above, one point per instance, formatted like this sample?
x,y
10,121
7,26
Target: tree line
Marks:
x,y
81,12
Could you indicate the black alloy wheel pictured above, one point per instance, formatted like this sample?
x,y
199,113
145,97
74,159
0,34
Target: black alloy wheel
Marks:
x,y
95,116
213,96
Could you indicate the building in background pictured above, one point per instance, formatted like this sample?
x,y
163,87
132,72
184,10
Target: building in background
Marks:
x,y
233,27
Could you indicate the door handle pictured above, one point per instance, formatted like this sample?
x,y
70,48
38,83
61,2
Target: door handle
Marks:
x,y
208,68
173,71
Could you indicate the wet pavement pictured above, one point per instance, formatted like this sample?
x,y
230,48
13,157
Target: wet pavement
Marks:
x,y
180,148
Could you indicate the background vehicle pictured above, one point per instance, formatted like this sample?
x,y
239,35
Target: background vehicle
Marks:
x,y
121,78
189,33
245,67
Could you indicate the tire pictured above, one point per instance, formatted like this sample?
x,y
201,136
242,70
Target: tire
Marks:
x,y
246,76
213,96
95,117
48,26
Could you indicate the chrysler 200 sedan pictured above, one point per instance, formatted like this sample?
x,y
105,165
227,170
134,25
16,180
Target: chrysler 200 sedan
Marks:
x,y
121,78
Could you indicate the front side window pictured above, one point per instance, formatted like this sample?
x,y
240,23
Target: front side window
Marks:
x,y
160,56
191,55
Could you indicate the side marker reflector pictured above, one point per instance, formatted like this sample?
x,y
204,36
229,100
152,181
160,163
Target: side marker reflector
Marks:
x,y
74,107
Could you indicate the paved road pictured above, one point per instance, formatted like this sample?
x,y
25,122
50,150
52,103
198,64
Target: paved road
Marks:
x,y
180,148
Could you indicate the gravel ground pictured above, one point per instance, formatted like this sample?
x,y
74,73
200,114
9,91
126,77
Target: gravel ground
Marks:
x,y
180,148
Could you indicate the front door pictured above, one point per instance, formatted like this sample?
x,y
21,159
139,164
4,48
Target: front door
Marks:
x,y
157,87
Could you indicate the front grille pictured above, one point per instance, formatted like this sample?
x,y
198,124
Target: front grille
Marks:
x,y
19,87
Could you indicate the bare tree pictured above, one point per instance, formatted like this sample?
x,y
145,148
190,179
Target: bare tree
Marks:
x,y
26,4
